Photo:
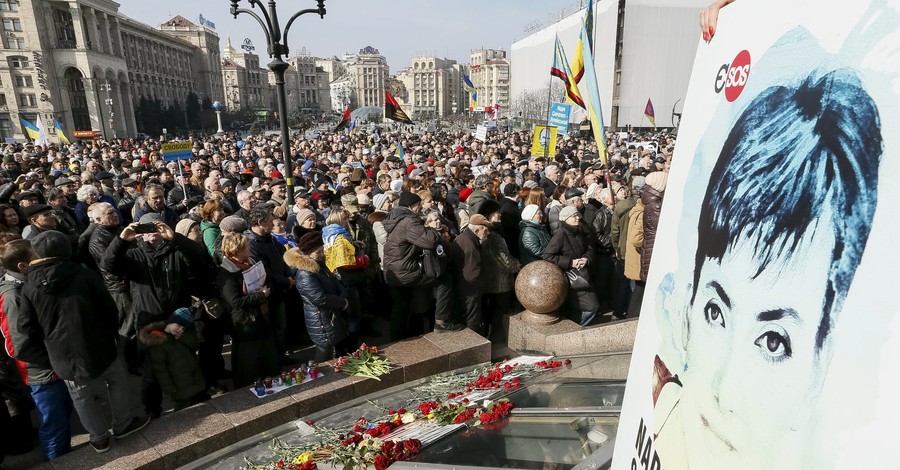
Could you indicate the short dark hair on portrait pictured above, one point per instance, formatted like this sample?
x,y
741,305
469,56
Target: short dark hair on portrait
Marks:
x,y
795,154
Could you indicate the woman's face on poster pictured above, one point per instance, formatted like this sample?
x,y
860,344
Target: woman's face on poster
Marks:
x,y
754,372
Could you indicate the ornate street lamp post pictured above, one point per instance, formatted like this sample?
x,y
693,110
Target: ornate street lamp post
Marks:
x,y
277,47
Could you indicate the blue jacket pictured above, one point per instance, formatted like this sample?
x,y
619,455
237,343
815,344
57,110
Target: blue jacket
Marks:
x,y
323,299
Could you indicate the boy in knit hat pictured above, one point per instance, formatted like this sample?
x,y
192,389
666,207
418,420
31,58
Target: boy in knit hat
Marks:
x,y
172,348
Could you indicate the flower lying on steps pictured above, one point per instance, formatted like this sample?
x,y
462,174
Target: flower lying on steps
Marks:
x,y
364,362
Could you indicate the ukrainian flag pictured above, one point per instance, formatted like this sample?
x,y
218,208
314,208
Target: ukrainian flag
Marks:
x,y
473,94
595,111
31,130
59,132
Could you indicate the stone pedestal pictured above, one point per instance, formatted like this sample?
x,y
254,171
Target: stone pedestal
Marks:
x,y
566,337
541,288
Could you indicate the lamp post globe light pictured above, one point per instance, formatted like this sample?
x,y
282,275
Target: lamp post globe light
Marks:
x,y
217,105
277,47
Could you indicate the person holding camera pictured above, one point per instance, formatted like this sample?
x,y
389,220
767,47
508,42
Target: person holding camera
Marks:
x,y
158,264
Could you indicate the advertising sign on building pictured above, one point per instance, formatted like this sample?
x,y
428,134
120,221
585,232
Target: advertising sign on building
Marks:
x,y
559,117
769,330
544,142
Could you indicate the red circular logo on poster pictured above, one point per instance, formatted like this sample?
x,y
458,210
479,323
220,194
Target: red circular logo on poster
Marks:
x,y
738,74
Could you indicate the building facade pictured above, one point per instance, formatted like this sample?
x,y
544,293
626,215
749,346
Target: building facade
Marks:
x,y
436,87
306,85
83,65
489,72
342,93
334,67
367,71
207,58
246,85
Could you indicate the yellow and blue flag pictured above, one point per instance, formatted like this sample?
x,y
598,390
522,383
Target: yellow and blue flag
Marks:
x,y
577,61
31,130
59,132
595,111
473,94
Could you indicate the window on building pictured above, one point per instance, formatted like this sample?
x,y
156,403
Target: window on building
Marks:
x,y
9,5
6,129
27,100
3,100
12,24
15,43
19,62
24,81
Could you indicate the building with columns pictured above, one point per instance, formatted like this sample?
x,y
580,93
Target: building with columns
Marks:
x,y
246,84
489,72
306,85
82,64
207,59
436,86
367,71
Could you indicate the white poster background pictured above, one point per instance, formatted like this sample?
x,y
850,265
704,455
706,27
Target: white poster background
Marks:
x,y
856,414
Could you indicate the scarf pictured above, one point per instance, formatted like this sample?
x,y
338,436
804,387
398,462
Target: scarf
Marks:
x,y
339,249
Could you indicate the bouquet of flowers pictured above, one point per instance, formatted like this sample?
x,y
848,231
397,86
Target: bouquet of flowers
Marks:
x,y
364,362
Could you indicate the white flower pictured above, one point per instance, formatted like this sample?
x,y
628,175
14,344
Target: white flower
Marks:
x,y
407,418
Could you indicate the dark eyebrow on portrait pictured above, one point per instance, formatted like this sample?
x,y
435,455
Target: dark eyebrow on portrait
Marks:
x,y
778,314
721,292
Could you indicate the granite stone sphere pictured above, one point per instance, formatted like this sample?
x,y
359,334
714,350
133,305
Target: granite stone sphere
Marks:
x,y
541,287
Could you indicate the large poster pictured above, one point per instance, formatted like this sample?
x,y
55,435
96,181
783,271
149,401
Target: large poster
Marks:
x,y
769,333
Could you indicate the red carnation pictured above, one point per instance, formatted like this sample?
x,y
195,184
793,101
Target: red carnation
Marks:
x,y
387,447
382,462
412,445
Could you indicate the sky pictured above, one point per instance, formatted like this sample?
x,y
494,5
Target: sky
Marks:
x,y
399,29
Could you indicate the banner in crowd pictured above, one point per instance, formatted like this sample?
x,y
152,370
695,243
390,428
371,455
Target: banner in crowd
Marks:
x,y
769,329
543,144
559,117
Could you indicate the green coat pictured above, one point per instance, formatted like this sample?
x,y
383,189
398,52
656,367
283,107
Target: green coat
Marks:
x,y
174,361
210,232
533,238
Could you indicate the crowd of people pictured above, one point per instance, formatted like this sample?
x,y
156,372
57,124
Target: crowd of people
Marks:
x,y
118,263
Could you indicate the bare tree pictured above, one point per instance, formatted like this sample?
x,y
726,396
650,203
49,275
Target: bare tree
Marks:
x,y
533,106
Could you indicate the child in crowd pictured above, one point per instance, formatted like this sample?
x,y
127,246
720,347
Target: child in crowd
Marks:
x,y
172,347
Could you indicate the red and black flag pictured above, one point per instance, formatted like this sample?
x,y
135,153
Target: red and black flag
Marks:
x,y
345,121
392,109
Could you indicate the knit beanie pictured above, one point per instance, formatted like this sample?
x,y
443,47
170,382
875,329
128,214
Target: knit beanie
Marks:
x,y
529,211
657,180
379,200
183,316
408,199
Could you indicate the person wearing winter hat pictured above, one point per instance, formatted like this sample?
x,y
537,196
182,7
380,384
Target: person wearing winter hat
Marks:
x,y
306,223
234,224
533,235
657,180
409,200
324,302
68,306
172,350
41,218
465,252
571,249
652,197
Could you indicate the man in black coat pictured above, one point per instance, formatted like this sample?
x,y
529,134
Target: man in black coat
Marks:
x,y
264,248
407,238
598,219
107,227
465,252
158,269
510,216
69,318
